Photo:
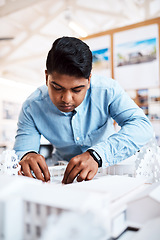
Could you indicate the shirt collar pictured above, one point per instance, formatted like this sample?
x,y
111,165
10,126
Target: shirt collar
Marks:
x,y
67,113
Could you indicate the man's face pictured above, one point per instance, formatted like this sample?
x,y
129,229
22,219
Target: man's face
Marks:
x,y
66,92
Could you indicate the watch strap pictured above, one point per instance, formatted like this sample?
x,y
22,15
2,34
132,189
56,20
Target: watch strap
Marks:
x,y
95,156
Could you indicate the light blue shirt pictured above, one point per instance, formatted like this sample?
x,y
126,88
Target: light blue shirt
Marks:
x,y
90,126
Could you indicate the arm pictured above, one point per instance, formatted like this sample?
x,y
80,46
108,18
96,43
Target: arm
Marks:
x,y
27,146
136,130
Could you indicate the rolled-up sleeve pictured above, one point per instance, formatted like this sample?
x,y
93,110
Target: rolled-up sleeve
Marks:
x,y
27,137
136,129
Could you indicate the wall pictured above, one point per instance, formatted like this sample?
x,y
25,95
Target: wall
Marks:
x,y
12,95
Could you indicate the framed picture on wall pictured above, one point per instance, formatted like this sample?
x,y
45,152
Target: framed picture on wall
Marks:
x,y
136,57
100,47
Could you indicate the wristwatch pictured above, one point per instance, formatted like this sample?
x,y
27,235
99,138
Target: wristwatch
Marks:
x,y
95,156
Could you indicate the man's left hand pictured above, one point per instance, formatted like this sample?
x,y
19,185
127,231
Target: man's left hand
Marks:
x,y
82,166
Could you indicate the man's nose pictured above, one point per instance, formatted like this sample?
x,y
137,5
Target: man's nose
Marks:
x,y
67,97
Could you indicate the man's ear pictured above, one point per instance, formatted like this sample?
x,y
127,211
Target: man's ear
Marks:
x,y
89,80
46,74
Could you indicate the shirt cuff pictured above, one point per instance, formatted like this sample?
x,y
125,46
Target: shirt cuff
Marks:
x,y
21,154
27,153
102,153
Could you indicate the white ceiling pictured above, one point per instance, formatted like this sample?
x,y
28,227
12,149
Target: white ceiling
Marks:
x,y
35,24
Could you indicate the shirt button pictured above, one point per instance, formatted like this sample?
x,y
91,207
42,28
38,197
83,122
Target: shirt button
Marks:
x,y
77,138
73,117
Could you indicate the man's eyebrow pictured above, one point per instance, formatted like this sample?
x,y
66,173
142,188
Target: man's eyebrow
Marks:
x,y
80,86
57,84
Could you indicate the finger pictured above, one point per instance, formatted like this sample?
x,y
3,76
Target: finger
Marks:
x,y
73,174
20,163
90,175
37,171
82,176
20,173
45,171
69,168
26,170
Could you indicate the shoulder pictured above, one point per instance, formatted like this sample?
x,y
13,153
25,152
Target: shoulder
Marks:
x,y
104,89
40,94
103,83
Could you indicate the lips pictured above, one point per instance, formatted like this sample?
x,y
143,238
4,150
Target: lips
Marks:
x,y
66,107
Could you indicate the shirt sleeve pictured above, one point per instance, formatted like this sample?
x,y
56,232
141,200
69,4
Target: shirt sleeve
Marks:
x,y
136,129
28,136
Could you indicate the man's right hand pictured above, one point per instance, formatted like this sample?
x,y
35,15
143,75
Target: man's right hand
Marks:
x,y
36,163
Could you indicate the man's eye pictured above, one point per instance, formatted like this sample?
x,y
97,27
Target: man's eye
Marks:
x,y
57,89
76,91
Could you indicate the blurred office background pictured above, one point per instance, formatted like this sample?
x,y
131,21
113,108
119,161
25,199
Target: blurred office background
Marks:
x,y
27,31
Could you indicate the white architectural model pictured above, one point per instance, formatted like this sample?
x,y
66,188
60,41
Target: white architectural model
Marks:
x,y
31,209
9,163
97,209
147,162
27,204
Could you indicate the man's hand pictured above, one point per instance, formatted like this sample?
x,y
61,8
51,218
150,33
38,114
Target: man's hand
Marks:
x,y
36,163
82,166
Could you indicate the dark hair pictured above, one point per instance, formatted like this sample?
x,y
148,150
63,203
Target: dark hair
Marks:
x,y
70,56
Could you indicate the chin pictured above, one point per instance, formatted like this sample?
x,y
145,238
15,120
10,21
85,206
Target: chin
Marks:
x,y
66,109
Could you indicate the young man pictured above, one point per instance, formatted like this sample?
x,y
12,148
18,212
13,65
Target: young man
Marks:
x,y
75,112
